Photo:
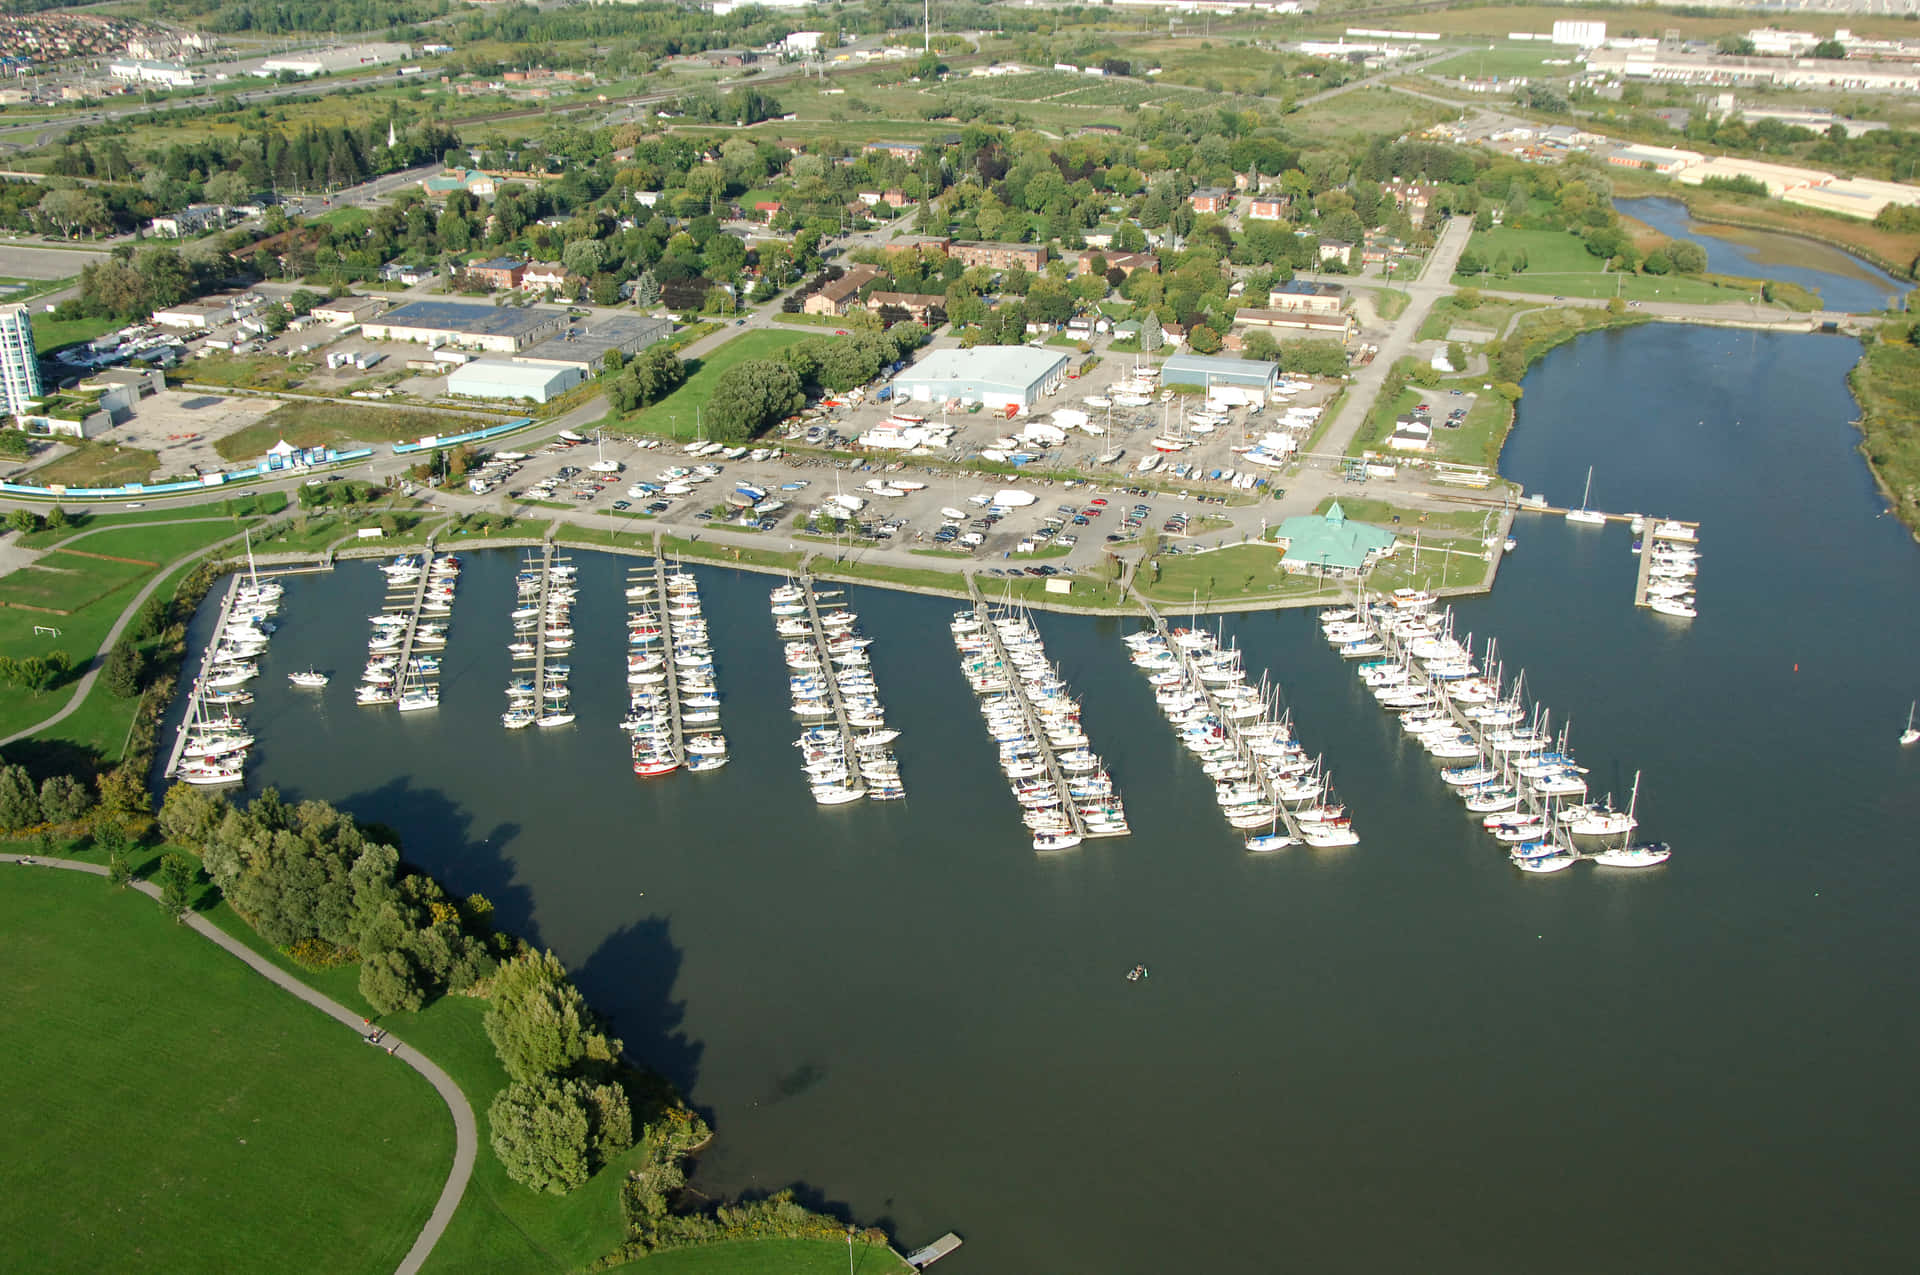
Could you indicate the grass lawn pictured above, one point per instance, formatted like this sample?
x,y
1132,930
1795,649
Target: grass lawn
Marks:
x,y
1429,522
101,591
98,465
676,412
245,372
1238,571
50,334
335,424
169,1110
710,551
810,320
1559,264
1504,61
771,1257
1476,442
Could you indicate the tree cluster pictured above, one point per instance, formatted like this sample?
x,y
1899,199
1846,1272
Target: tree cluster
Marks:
x,y
36,673
565,1114
308,873
649,378
57,799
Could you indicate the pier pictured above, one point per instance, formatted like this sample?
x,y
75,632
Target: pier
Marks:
x,y
412,607
1434,694
823,659
1665,532
1017,686
675,723
920,1259
1242,752
537,695
835,695
196,701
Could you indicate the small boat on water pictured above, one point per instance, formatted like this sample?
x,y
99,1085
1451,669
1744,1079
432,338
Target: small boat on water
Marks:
x,y
1583,514
1644,855
311,678
1910,735
1055,840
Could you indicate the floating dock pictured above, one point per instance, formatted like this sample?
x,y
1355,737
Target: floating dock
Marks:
x,y
869,769
196,701
1664,532
1189,666
647,592
920,1259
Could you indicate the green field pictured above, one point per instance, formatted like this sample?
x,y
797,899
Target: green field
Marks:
x,y
97,592
675,414
167,1109
1476,442
1559,264
335,424
95,464
1506,61
1248,572
50,334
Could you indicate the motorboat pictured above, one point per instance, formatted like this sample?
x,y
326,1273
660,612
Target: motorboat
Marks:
x,y
312,678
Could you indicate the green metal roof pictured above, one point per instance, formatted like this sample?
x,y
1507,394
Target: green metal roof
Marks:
x,y
1330,538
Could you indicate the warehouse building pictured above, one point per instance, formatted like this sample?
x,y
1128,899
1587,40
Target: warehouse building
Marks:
x,y
1204,370
998,376
497,329
586,345
331,61
497,378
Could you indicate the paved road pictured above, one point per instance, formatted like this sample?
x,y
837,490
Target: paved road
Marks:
x,y
99,660
466,1140
1434,282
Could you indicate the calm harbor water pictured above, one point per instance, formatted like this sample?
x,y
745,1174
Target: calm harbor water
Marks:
x,y
1843,281
1403,1053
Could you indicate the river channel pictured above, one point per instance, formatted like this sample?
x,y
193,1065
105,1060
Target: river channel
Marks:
x,y
1404,1055
1843,281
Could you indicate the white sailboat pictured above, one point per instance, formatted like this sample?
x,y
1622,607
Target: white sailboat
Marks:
x,y
1584,514
1910,735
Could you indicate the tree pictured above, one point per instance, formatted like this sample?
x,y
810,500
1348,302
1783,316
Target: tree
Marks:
x,y
24,521
19,802
56,518
1204,340
542,1135
391,982
177,877
539,1023
1259,345
1688,258
228,188
1830,49
64,799
1457,356
750,396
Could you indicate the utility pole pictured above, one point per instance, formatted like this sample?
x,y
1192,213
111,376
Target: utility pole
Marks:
x,y
926,45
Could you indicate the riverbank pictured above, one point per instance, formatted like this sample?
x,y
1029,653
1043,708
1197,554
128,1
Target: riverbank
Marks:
x,y
1886,385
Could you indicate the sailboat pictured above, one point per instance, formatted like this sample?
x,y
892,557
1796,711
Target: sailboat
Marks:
x,y
1910,735
1584,514
1607,822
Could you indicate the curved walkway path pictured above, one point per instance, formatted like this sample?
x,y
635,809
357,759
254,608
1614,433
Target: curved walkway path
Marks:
x,y
98,661
466,1139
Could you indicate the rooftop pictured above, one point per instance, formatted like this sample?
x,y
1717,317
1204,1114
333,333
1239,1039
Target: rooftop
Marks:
x,y
466,316
1014,365
527,376
1329,538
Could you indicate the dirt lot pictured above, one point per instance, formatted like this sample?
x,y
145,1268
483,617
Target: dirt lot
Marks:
x,y
181,426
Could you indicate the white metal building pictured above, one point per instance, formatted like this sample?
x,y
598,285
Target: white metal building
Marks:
x,y
997,376
497,378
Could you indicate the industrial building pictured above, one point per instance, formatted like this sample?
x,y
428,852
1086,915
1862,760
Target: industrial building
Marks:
x,y
998,376
498,378
1304,297
1679,67
162,73
1666,160
587,345
19,361
1207,370
498,329
330,61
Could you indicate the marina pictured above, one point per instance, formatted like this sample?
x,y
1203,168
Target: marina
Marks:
x,y
653,692
1063,789
830,676
538,693
1508,767
403,653
1669,559
690,669
1262,776
210,748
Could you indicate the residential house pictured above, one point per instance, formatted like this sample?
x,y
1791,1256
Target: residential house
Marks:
x,y
936,244
1333,250
406,275
1410,434
766,210
918,305
1268,208
909,151
896,198
836,298
1301,297
538,276
1000,256
498,272
472,180
191,220
1211,199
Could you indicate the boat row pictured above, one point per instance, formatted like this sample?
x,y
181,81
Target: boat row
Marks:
x,y
670,675
1672,564
215,743
1262,776
542,616
846,748
1063,788
1500,757
403,664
